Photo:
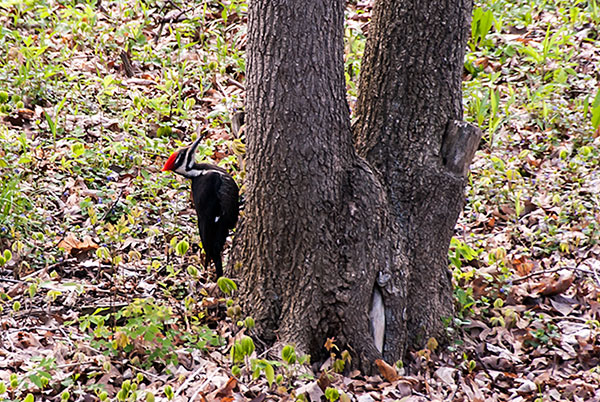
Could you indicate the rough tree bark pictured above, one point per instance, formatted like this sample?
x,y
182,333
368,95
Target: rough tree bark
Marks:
x,y
322,229
410,130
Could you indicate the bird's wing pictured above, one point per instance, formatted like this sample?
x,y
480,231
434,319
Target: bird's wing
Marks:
x,y
229,200
205,190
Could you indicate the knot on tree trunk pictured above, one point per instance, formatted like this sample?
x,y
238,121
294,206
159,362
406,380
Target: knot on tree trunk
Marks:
x,y
459,144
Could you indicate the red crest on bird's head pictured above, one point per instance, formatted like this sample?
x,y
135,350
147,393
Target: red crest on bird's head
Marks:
x,y
170,162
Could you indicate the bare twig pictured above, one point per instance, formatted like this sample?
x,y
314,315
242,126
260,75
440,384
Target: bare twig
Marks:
x,y
178,18
49,267
231,81
189,379
483,366
10,280
457,375
551,271
200,388
164,20
114,203
127,65
146,373
596,276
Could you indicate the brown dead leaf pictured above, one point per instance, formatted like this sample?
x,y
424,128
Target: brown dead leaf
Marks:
x,y
482,62
16,55
522,265
20,117
74,246
226,392
554,286
388,372
446,375
405,388
26,340
532,161
260,398
562,306
324,381
503,213
312,390
25,114
479,286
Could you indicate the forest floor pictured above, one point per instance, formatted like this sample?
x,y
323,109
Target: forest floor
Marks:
x,y
102,292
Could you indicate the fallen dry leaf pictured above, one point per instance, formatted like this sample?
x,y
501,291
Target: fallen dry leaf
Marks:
x,y
74,246
330,343
522,265
554,286
227,390
324,381
388,372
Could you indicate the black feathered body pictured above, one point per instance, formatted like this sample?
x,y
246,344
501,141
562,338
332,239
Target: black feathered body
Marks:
x,y
216,200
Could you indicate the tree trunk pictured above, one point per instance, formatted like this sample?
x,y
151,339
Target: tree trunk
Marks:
x,y
321,235
409,128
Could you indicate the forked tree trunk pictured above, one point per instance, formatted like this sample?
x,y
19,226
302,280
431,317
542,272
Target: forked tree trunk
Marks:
x,y
410,130
320,229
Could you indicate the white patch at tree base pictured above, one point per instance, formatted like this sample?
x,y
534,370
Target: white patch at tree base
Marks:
x,y
377,319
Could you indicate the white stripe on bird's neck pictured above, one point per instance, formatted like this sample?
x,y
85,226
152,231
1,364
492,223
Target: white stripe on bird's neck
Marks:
x,y
195,172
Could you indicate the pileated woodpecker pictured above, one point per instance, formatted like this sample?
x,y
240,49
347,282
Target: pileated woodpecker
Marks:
x,y
216,199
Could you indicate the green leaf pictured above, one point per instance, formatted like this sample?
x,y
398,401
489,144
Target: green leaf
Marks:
x,y
103,253
332,394
485,24
36,380
50,122
164,131
270,374
169,392
32,290
247,345
249,322
226,285
60,105
78,149
595,108
288,354
236,353
182,247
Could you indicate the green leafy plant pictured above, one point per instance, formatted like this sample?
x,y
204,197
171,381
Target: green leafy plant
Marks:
x,y
145,322
481,23
595,111
242,349
332,394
